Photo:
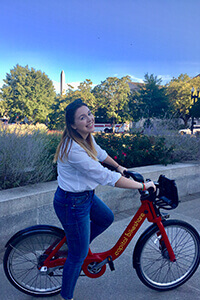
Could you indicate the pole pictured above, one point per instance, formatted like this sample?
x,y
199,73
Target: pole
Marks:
x,y
194,97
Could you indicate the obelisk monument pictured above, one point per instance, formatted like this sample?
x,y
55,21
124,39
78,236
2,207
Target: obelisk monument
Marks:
x,y
62,82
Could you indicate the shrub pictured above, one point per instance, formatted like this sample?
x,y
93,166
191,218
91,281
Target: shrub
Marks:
x,y
27,151
23,129
185,147
24,156
133,150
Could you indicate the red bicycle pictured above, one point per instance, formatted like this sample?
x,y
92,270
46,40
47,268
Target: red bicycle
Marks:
x,y
165,256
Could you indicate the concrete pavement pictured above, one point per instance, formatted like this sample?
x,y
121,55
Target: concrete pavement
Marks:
x,y
123,283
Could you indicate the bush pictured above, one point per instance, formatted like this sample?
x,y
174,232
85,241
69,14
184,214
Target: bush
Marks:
x,y
24,156
133,150
27,151
185,147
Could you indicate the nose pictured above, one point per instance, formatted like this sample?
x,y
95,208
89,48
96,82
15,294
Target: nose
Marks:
x,y
90,118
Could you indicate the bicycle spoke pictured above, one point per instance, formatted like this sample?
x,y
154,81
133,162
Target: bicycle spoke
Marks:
x,y
24,260
155,268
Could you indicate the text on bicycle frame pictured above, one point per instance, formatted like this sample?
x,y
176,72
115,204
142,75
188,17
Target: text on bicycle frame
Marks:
x,y
129,234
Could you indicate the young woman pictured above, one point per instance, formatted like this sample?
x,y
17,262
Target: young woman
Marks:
x,y
82,214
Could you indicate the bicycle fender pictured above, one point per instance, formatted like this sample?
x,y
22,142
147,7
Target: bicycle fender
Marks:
x,y
140,240
35,228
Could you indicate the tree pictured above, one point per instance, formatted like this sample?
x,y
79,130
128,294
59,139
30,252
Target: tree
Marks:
x,y
112,98
3,107
195,107
57,116
179,93
85,92
150,101
28,93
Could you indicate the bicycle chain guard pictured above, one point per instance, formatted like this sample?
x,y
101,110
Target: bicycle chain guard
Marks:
x,y
90,270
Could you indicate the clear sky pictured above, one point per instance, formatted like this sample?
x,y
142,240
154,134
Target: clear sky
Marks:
x,y
96,39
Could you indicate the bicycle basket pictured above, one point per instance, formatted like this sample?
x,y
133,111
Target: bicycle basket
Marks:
x,y
168,193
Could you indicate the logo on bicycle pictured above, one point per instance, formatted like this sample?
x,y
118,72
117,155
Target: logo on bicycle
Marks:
x,y
130,233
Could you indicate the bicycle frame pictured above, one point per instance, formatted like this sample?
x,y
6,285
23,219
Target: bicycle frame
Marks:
x,y
97,261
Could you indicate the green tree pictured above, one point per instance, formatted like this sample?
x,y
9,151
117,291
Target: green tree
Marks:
x,y
57,116
28,93
150,101
85,92
3,107
112,98
195,107
179,93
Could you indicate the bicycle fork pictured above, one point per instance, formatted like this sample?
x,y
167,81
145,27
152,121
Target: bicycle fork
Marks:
x,y
165,243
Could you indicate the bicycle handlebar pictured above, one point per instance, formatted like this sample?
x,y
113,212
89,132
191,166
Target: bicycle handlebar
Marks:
x,y
136,176
168,194
139,178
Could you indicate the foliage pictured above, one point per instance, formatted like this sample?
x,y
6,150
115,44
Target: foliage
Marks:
x,y
26,151
23,129
24,156
195,108
179,93
27,93
150,101
56,119
133,150
57,116
3,106
112,98
185,147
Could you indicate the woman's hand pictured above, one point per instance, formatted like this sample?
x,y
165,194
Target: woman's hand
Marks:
x,y
121,169
150,184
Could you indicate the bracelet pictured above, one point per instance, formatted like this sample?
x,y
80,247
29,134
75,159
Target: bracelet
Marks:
x,y
117,167
143,187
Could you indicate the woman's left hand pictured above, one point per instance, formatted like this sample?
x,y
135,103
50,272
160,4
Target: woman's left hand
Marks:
x,y
121,170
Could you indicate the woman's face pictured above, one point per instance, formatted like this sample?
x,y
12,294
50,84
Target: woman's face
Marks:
x,y
83,121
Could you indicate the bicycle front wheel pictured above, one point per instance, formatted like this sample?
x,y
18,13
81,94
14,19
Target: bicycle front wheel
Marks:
x,y
23,258
152,264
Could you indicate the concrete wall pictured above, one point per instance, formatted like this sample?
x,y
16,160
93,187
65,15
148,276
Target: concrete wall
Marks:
x,y
25,206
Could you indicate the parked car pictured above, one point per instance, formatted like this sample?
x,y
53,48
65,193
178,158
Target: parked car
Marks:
x,y
4,120
196,130
107,127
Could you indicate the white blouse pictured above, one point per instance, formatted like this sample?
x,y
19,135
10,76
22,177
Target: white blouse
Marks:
x,y
79,172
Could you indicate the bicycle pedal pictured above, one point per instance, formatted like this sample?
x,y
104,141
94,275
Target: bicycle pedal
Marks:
x,y
111,264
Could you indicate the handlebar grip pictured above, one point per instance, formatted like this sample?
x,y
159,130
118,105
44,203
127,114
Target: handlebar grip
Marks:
x,y
136,176
126,174
151,190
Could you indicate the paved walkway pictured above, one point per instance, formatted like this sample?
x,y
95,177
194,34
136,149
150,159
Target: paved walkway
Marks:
x,y
123,283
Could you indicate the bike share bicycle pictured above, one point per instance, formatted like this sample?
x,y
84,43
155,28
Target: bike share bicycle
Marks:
x,y
165,256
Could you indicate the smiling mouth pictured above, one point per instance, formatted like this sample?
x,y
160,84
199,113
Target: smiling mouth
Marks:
x,y
90,125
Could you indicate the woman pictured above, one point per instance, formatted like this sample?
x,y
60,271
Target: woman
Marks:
x,y
83,215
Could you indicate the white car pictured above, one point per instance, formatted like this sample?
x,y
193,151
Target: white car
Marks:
x,y
196,129
107,127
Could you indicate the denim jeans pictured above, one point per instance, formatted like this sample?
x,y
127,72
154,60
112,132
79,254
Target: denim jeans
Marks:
x,y
83,216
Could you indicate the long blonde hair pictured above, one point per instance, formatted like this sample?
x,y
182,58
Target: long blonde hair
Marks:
x,y
69,135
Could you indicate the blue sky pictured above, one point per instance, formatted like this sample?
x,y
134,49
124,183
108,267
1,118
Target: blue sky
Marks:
x,y
91,39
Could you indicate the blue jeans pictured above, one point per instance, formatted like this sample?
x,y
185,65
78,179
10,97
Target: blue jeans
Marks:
x,y
83,216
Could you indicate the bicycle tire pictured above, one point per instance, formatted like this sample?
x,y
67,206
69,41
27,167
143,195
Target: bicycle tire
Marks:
x,y
21,260
152,264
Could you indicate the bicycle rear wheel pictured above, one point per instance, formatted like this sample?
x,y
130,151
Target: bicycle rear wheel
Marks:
x,y
151,259
23,257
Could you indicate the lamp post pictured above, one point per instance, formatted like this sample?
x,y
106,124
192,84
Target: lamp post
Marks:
x,y
194,97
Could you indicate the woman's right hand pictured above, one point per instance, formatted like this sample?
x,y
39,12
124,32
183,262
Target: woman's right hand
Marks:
x,y
150,184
